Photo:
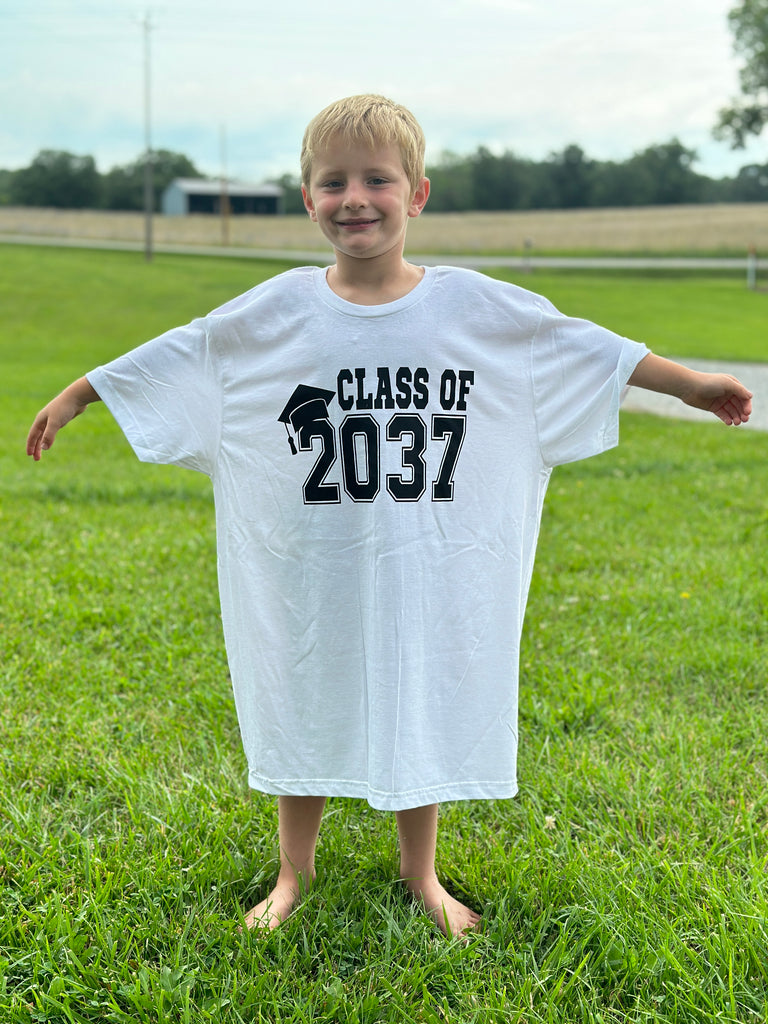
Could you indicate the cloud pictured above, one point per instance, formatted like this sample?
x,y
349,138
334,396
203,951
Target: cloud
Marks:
x,y
511,74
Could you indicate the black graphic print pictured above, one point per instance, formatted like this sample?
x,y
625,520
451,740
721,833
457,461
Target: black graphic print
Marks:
x,y
358,441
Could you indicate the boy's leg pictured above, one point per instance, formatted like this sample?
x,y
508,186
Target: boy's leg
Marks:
x,y
417,829
299,826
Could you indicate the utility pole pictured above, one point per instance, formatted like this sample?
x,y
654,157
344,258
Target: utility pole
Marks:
x,y
149,192
224,199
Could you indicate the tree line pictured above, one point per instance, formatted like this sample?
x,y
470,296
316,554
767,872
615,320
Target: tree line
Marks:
x,y
63,180
659,175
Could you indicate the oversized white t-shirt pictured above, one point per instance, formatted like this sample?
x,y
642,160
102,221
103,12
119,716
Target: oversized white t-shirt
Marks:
x,y
378,476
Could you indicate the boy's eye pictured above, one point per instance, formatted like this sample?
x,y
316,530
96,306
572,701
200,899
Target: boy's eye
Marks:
x,y
378,181
333,183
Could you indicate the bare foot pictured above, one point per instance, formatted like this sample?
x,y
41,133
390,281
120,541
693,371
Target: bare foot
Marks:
x,y
277,906
451,917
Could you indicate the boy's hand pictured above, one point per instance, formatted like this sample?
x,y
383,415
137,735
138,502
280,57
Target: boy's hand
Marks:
x,y
718,393
721,394
49,421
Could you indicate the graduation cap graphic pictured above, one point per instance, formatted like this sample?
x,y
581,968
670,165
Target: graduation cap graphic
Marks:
x,y
307,405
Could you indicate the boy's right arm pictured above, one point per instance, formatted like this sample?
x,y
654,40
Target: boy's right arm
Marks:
x,y
70,403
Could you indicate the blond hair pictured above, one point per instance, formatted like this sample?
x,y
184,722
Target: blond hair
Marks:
x,y
371,120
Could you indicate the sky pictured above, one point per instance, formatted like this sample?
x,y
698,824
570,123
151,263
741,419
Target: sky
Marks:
x,y
234,82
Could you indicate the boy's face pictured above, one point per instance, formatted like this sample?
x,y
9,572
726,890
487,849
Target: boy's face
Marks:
x,y
361,199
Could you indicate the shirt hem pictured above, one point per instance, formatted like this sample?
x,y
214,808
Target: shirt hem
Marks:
x,y
383,800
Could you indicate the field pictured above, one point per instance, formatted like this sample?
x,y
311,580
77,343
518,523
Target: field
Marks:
x,y
723,229
627,882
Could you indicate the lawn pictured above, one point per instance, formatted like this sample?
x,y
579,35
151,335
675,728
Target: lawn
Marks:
x,y
626,882
688,315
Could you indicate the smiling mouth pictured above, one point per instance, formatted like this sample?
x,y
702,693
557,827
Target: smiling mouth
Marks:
x,y
356,223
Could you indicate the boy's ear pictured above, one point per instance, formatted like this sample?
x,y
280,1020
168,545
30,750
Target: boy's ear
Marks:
x,y
420,197
308,204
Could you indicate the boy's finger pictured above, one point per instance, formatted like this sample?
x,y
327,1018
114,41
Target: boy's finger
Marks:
x,y
39,440
33,442
36,448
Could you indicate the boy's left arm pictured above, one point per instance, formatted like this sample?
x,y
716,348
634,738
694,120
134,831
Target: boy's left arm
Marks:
x,y
718,393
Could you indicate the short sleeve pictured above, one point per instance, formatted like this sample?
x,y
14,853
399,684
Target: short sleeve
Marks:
x,y
166,398
579,371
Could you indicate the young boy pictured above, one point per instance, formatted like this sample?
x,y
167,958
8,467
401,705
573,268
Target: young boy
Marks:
x,y
379,437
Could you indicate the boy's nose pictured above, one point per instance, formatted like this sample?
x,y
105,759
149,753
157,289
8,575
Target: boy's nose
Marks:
x,y
355,197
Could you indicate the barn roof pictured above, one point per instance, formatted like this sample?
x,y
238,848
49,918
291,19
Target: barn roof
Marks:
x,y
204,187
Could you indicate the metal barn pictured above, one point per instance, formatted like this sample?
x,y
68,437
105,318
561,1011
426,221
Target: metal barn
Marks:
x,y
196,195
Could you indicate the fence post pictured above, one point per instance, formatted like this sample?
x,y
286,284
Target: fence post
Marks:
x,y
752,268
527,247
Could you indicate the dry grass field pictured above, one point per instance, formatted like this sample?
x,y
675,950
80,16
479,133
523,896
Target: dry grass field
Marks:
x,y
697,229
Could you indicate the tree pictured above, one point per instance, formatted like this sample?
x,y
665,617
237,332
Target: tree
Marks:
x,y
572,176
666,174
750,185
57,178
620,184
291,185
490,187
498,182
451,183
749,24
124,186
6,177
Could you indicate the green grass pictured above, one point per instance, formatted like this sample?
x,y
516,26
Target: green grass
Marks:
x,y
627,882
685,315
